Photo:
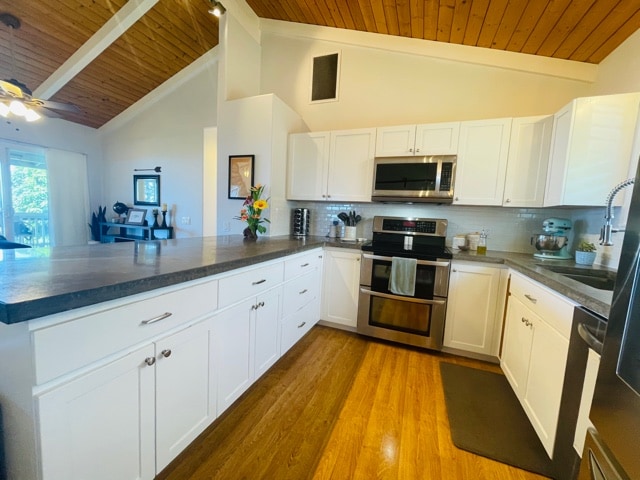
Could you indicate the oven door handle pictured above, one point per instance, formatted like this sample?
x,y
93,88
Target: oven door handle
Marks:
x,y
368,291
420,262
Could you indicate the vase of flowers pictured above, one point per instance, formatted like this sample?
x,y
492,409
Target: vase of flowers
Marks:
x,y
251,213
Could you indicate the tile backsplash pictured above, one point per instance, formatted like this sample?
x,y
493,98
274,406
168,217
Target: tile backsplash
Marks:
x,y
509,229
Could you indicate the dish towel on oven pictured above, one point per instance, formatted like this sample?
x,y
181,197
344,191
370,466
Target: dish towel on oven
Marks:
x,y
402,280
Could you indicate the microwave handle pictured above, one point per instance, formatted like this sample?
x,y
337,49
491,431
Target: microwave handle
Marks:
x,y
428,263
368,291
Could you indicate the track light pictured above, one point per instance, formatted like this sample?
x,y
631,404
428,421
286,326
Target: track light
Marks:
x,y
217,9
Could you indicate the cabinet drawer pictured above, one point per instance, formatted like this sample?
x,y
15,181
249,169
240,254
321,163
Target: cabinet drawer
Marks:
x,y
64,347
243,285
296,326
555,309
300,291
301,264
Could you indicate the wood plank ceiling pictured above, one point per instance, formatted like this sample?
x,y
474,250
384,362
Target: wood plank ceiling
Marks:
x,y
174,33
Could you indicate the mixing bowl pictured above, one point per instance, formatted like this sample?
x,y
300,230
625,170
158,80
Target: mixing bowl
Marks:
x,y
549,243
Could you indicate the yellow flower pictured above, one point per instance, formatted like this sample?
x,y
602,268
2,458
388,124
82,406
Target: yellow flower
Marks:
x,y
260,204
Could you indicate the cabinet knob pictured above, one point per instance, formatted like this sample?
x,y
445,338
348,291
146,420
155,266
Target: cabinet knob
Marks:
x,y
508,200
417,150
411,150
150,360
454,270
526,322
166,353
261,304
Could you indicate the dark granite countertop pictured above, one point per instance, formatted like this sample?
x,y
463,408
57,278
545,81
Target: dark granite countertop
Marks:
x,y
594,299
40,282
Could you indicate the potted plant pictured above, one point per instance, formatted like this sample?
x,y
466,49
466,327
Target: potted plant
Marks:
x,y
96,219
585,253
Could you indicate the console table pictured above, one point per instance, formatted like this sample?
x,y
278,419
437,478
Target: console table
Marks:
x,y
111,232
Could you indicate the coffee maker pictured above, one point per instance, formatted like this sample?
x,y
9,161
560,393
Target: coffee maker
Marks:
x,y
552,244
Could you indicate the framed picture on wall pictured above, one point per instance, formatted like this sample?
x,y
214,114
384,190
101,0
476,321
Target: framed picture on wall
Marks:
x,y
136,216
240,176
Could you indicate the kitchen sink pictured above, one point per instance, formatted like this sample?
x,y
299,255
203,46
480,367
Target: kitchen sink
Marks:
x,y
600,279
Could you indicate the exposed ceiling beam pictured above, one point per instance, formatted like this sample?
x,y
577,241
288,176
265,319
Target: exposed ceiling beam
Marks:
x,y
105,36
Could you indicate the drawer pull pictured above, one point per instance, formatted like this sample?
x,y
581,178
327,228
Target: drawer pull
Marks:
x,y
302,324
530,298
259,282
156,319
304,265
150,360
166,353
303,292
261,304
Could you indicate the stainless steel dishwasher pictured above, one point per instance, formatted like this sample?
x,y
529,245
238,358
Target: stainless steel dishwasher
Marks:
x,y
587,332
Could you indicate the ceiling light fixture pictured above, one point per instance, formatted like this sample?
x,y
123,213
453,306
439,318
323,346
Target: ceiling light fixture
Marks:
x,y
218,9
15,105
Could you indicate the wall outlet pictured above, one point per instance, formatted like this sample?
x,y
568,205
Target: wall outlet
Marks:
x,y
186,221
226,226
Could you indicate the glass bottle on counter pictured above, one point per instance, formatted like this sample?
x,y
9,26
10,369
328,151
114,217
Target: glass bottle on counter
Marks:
x,y
482,243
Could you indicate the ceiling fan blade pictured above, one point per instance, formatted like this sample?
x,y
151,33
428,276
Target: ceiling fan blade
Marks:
x,y
68,107
10,90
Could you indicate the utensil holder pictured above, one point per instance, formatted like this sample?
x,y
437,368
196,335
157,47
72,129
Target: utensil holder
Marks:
x,y
349,233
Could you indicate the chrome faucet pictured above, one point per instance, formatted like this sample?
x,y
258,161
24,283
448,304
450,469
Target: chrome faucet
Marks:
x,y
607,229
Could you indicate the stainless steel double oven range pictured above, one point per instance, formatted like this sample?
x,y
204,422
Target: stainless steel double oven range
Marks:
x,y
414,320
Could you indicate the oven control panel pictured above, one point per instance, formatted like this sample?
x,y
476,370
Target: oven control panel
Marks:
x,y
424,226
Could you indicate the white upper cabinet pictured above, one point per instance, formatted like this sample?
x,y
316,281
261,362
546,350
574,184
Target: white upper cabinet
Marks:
x,y
528,161
333,166
482,162
591,149
410,140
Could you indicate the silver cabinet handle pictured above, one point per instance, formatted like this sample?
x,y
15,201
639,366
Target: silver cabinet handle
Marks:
x,y
150,360
428,263
530,298
259,282
261,304
302,324
368,291
303,292
526,322
166,353
156,319
304,265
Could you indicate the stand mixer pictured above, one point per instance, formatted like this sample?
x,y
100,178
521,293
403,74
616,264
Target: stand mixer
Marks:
x,y
552,244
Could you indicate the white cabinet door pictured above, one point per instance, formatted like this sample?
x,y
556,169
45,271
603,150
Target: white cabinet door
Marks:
x,y
307,166
101,424
591,149
528,161
185,390
341,280
234,355
516,347
351,165
396,141
474,308
482,162
544,383
267,338
437,138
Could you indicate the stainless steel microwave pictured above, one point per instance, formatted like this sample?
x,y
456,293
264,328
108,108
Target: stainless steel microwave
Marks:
x,y
414,179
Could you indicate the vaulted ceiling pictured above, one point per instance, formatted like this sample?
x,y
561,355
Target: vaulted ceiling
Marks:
x,y
75,51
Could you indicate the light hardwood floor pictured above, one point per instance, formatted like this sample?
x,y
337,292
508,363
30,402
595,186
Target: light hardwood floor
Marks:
x,y
340,406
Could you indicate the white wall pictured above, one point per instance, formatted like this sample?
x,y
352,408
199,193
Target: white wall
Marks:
x,y
168,132
620,71
380,86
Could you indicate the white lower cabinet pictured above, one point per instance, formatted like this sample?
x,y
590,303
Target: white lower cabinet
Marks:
x,y
246,340
340,286
474,308
534,355
128,419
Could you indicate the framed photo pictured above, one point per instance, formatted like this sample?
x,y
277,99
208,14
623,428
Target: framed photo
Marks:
x,y
136,216
146,190
240,176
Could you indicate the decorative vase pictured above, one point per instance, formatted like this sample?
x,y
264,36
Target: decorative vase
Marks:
x,y
585,258
250,234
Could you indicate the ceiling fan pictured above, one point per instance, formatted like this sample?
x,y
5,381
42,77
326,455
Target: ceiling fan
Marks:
x,y
15,96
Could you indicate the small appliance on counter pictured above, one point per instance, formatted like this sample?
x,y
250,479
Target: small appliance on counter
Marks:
x,y
552,244
301,221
